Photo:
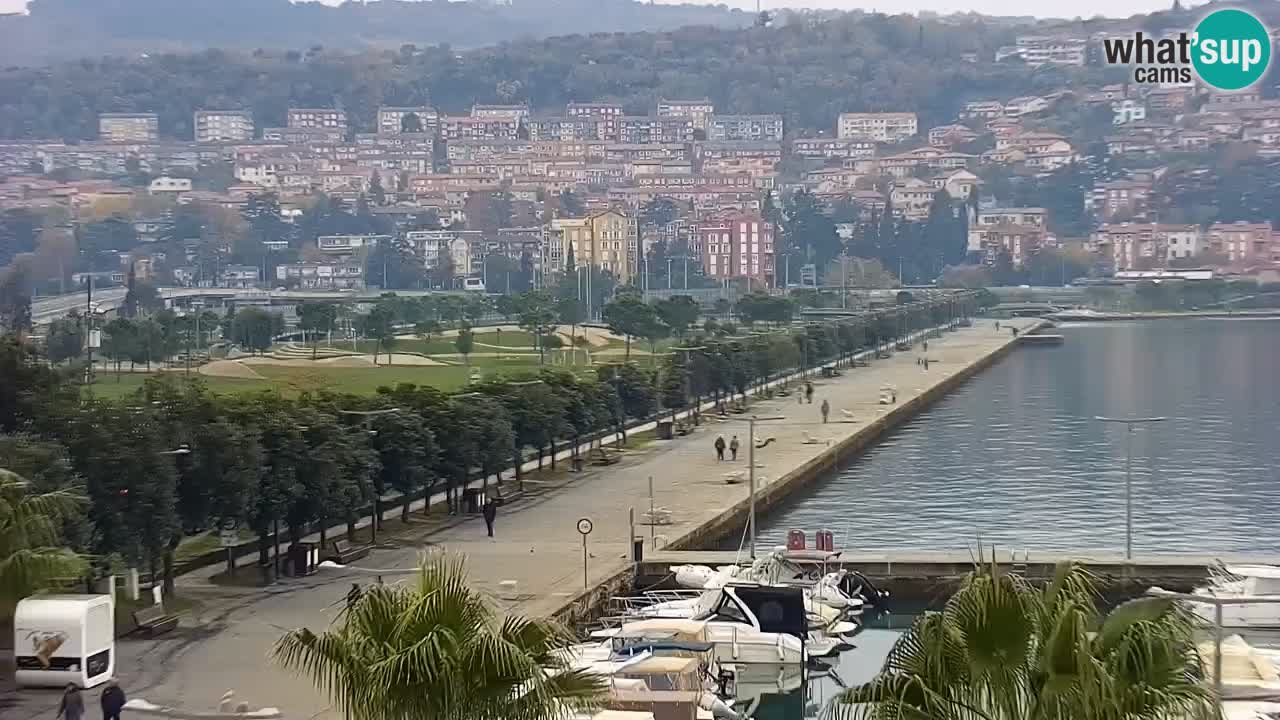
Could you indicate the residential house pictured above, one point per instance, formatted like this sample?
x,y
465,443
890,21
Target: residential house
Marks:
x,y
169,186
850,147
982,109
642,130
317,118
395,120
951,135
1121,200
1015,232
239,276
330,275
348,244
500,127
959,184
912,198
1128,111
1241,243
1025,105
1169,101
608,240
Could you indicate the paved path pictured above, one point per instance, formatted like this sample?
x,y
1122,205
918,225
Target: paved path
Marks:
x,y
537,546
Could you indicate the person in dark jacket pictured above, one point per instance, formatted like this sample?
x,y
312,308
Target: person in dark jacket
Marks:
x,y
72,705
112,700
490,511
719,444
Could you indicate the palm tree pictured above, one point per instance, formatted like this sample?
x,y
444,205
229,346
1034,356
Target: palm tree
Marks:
x,y
30,533
1004,650
437,650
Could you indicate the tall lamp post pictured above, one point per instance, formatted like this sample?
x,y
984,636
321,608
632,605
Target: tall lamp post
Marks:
x,y
368,416
751,473
1128,473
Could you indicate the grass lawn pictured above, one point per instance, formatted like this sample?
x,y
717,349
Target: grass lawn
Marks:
x,y
291,380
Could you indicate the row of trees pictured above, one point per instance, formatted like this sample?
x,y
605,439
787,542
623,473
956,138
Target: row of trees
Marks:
x,y
174,459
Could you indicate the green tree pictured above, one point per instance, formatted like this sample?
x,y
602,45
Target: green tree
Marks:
x,y
65,339
630,317
315,319
678,313
538,316
1004,649
437,649
464,343
32,551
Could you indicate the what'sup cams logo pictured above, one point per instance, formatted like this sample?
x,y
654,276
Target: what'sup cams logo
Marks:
x,y
1229,49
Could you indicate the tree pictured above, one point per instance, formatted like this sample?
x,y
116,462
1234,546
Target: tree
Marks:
x,y
314,319
376,191
379,324
630,317
32,554
437,649
65,339
15,299
465,343
538,316
808,233
254,328
678,313
1006,650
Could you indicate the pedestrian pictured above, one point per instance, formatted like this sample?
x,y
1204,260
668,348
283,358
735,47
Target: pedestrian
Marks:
x,y
997,325
72,705
926,346
733,447
808,392
926,364
353,595
826,409
490,511
112,701
719,447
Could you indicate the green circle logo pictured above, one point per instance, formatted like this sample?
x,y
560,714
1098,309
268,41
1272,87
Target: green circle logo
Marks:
x,y
1232,49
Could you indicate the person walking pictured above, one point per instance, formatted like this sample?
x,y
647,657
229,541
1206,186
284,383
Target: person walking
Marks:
x,y
490,512
808,392
719,447
112,701
826,409
733,447
72,705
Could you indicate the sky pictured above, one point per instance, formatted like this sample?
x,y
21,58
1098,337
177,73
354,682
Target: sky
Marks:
x,y
1082,8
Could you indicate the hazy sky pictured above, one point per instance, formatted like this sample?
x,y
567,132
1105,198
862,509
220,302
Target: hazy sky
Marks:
x,y
1085,8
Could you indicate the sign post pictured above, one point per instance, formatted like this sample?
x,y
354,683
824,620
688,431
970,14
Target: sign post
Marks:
x,y
230,537
584,529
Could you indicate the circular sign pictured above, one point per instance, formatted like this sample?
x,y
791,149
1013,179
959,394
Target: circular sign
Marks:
x,y
1233,49
585,526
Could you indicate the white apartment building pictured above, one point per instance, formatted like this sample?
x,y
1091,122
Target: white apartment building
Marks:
x,y
336,275
128,127
881,127
308,118
223,126
745,127
700,111
347,244
391,119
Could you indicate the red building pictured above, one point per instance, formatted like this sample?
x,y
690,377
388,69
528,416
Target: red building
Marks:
x,y
735,245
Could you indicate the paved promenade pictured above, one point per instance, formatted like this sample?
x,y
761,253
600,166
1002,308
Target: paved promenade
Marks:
x,y
537,543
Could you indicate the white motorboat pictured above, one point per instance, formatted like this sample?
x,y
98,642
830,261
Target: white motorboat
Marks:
x,y
779,567
1243,582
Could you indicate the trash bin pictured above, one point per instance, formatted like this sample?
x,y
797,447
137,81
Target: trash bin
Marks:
x,y
472,499
300,559
665,430
637,548
828,371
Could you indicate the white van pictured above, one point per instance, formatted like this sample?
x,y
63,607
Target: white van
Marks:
x,y
472,283
60,639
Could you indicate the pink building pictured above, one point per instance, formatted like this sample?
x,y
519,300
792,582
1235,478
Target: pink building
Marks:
x,y
735,245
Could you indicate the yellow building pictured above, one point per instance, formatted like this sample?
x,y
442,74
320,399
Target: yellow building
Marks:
x,y
608,240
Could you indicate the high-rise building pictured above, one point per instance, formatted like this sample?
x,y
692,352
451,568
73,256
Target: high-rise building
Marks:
x,y
882,127
737,245
129,127
608,240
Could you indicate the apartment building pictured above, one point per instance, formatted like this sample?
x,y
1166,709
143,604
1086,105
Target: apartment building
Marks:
x,y
737,245
313,118
1036,50
213,126
699,111
1121,199
1144,246
1242,243
1017,233
604,118
348,244
745,127
848,147
519,112
302,136
608,240
396,120
982,109
642,130
128,127
336,275
881,127
500,127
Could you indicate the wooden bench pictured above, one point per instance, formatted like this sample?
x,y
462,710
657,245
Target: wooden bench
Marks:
x,y
154,620
344,552
601,457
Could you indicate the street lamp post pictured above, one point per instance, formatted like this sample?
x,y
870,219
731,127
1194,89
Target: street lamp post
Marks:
x,y
368,416
751,474
1128,474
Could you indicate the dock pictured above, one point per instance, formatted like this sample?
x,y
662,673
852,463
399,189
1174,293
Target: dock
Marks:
x,y
1039,339
915,576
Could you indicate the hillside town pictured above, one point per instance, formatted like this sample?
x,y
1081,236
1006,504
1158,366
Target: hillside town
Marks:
x,y
510,189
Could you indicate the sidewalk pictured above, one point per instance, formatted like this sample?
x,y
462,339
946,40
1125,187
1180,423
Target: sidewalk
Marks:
x,y
537,544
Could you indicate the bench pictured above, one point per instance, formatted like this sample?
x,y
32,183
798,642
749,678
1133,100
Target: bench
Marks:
x,y
344,552
154,620
601,457
507,498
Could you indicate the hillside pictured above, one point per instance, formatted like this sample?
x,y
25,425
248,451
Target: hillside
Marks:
x,y
807,69
65,29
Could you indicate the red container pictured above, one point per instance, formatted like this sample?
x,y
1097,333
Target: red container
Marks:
x,y
825,541
795,540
